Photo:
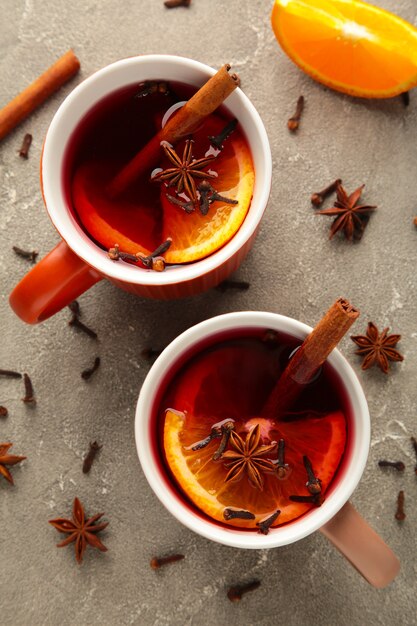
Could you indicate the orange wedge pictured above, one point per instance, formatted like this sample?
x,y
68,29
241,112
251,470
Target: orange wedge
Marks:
x,y
195,236
348,45
210,391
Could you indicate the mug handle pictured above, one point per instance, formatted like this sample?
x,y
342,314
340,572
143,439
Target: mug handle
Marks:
x,y
361,545
52,284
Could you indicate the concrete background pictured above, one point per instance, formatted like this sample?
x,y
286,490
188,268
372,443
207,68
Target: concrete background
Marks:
x,y
294,269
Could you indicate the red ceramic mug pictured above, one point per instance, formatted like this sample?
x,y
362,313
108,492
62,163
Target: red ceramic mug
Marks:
x,y
76,263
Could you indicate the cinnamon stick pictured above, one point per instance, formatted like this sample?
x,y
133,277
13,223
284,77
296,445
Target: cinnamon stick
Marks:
x,y
310,356
33,96
207,99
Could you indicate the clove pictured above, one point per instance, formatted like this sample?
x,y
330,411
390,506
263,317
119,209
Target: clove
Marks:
x,y
316,499
29,393
157,562
235,593
414,442
266,524
154,260
294,121
87,373
398,465
226,430
3,411
400,515
282,467
76,323
318,197
229,514
26,254
24,149
238,285
313,483
187,206
172,4
10,374
74,307
91,455
215,433
217,141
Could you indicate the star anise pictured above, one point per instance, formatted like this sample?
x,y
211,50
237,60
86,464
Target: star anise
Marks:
x,y
248,455
8,459
185,170
377,349
80,530
351,218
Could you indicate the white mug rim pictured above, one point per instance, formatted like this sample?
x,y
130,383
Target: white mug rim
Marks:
x,y
67,118
315,518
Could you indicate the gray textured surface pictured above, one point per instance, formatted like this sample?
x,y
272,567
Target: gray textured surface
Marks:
x,y
294,269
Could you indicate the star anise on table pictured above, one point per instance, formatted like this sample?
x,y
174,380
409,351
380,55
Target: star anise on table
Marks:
x,y
8,459
350,217
80,530
185,170
247,455
377,349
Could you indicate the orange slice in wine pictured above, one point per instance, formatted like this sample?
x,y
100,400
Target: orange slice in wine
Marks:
x,y
210,391
132,223
202,480
195,236
348,45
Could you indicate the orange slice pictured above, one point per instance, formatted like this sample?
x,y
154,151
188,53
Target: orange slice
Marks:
x,y
230,383
195,236
348,45
132,224
322,439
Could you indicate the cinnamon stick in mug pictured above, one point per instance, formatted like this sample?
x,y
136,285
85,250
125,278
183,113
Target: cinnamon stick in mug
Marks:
x,y
33,96
310,356
184,122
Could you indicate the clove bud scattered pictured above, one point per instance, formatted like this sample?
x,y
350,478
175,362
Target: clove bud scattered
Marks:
x,y
294,121
157,562
24,149
29,393
400,515
318,197
87,373
91,455
235,593
398,465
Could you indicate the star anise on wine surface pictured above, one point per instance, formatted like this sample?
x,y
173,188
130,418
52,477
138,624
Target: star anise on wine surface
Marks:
x,y
377,349
247,455
350,217
185,170
81,531
8,459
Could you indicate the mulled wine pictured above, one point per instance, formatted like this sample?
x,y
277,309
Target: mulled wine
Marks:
x,y
193,200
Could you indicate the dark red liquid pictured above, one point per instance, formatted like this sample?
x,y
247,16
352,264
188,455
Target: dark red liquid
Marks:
x,y
108,137
237,388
